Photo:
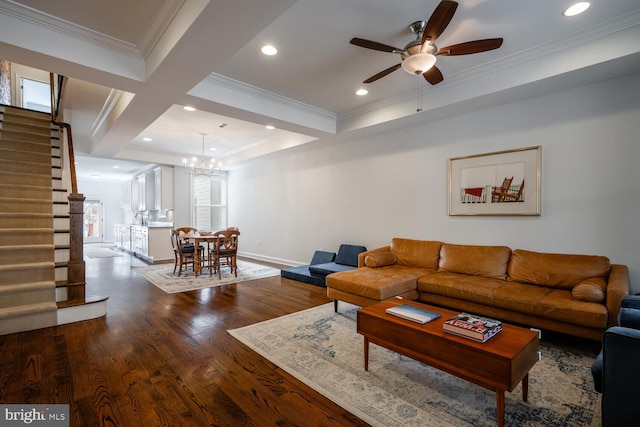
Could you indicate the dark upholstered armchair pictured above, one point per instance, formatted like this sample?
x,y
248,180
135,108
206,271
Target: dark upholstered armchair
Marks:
x,y
616,371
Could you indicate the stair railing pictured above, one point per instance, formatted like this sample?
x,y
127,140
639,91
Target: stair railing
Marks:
x,y
75,266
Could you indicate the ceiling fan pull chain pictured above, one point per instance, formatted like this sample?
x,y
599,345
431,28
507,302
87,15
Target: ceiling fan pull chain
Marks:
x,y
419,98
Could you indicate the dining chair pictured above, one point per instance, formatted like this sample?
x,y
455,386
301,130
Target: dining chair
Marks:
x,y
182,258
186,245
225,251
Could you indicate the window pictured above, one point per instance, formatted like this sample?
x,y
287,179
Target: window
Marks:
x,y
35,95
209,203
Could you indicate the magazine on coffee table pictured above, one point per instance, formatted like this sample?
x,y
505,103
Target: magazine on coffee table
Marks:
x,y
471,326
413,313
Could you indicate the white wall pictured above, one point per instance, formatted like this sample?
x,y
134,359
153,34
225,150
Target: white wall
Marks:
x,y
112,197
366,191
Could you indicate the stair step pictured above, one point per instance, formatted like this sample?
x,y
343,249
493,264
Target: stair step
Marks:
x,y
21,294
39,121
15,205
17,273
23,112
18,125
25,136
26,254
26,220
7,165
21,145
25,178
26,236
28,317
18,155
25,191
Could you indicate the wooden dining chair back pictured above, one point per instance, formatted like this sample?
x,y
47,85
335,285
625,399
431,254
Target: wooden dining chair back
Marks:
x,y
182,257
225,251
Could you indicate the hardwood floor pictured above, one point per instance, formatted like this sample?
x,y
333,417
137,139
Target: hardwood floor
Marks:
x,y
166,360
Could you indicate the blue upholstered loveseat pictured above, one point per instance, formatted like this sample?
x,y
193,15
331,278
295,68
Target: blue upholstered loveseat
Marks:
x,y
324,263
616,373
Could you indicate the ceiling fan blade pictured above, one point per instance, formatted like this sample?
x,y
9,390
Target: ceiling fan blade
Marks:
x,y
433,75
373,45
439,20
467,48
381,74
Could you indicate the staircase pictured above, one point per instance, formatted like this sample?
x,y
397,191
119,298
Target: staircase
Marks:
x,y
34,228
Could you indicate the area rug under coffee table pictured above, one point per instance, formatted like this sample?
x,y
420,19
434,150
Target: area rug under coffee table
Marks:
x,y
162,276
323,350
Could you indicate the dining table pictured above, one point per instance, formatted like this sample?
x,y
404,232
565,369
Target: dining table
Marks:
x,y
197,239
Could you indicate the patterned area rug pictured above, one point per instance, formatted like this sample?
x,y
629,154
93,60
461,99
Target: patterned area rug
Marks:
x,y
162,276
323,350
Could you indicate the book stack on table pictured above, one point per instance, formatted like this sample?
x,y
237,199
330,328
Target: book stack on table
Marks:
x,y
473,327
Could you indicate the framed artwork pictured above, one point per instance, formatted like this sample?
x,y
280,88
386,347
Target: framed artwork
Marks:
x,y
500,183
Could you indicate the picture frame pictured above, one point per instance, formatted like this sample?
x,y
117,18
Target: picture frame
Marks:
x,y
498,183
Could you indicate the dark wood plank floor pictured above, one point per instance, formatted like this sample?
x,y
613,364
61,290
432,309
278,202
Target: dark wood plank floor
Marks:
x,y
166,360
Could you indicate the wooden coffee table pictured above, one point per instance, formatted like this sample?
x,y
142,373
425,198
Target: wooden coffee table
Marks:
x,y
499,364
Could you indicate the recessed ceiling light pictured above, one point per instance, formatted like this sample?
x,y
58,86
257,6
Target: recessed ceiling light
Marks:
x,y
189,108
269,50
95,176
270,127
116,167
213,148
147,139
576,8
362,92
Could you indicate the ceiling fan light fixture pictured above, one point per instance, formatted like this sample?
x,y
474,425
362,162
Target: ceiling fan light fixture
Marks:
x,y
418,63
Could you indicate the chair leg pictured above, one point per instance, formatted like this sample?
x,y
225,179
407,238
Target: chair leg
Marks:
x,y
335,305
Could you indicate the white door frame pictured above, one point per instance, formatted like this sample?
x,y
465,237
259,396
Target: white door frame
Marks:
x,y
100,220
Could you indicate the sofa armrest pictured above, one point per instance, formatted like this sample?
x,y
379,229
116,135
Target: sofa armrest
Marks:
x,y
621,376
363,255
617,288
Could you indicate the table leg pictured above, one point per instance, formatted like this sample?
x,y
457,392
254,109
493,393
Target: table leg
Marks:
x,y
500,407
525,388
366,353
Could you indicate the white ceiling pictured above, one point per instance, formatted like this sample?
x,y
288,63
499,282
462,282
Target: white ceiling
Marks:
x,y
134,65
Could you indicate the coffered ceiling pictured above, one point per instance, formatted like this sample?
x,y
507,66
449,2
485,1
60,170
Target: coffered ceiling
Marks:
x,y
134,65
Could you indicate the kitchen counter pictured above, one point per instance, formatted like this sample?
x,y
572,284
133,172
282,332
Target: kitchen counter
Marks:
x,y
151,243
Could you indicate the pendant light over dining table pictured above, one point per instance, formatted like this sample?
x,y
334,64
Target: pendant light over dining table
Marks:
x,y
202,166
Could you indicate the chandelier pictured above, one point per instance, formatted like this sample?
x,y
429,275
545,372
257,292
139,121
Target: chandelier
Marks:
x,y
202,166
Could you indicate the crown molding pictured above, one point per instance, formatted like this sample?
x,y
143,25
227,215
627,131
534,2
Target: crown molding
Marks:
x,y
247,89
163,16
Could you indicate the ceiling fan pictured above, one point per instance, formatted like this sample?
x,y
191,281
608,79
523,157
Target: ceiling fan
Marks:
x,y
419,55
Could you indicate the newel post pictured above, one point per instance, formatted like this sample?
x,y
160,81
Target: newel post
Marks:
x,y
75,271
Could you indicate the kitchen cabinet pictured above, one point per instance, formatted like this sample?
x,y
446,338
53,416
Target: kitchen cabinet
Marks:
x,y
163,188
122,237
142,192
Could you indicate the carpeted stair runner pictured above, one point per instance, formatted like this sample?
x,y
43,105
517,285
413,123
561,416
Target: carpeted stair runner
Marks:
x,y
27,252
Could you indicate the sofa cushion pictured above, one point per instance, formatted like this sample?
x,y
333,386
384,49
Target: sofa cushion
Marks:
x,y
380,259
485,261
320,257
348,254
556,270
590,290
539,301
416,253
377,283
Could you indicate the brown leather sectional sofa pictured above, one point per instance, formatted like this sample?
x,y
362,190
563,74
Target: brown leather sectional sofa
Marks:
x,y
574,294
